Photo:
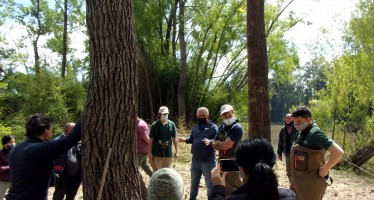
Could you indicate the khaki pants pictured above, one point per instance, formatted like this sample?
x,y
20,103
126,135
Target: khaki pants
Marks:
x,y
143,163
232,182
4,186
163,162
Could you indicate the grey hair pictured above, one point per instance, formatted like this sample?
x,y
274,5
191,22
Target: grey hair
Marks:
x,y
202,108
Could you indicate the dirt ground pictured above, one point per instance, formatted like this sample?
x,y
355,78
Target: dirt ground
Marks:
x,y
346,186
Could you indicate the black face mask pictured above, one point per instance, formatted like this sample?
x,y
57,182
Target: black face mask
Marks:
x,y
202,120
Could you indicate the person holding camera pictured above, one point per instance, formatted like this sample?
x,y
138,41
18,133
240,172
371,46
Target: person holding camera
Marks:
x,y
230,133
161,138
203,154
255,158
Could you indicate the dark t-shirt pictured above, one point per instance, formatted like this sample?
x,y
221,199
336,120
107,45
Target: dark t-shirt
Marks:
x,y
234,132
162,138
313,138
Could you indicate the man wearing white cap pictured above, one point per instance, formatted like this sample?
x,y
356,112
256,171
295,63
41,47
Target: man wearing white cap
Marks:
x,y
230,133
163,134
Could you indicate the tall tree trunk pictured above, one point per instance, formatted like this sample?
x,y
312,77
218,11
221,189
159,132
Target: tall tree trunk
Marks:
x,y
143,61
183,64
64,40
111,107
174,33
259,118
35,43
36,55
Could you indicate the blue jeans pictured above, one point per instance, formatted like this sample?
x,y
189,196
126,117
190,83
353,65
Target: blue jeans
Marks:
x,y
199,168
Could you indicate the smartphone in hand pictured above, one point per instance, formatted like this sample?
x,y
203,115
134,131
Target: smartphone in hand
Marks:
x,y
229,165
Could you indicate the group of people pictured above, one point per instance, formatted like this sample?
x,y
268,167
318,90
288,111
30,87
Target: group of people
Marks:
x,y
305,159
32,162
300,140
28,169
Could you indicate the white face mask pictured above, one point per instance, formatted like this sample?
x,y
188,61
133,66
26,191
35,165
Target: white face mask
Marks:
x,y
301,127
163,118
228,122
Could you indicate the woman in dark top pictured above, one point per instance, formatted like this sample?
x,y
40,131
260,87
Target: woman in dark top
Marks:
x,y
255,158
8,142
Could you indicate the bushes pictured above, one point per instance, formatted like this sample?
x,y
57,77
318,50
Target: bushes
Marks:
x,y
46,93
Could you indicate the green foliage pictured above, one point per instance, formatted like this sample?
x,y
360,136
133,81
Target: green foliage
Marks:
x,y
5,130
74,95
41,93
322,114
216,52
347,100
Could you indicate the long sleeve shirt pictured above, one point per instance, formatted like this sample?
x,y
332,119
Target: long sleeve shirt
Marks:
x,y
31,164
200,151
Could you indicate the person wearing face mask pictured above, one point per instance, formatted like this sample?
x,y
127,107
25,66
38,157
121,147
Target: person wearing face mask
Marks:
x,y
309,170
230,133
287,136
203,154
256,158
8,142
161,138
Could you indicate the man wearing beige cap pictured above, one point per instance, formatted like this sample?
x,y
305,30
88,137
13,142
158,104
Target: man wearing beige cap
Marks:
x,y
230,133
162,136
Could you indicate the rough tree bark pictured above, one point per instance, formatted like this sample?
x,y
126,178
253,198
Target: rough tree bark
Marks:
x,y
111,108
258,115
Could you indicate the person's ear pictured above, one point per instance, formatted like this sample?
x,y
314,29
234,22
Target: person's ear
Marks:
x,y
309,120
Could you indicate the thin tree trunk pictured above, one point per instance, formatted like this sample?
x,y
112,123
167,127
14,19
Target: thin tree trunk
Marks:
x,y
64,40
174,34
169,27
35,43
111,107
143,62
36,55
259,118
183,64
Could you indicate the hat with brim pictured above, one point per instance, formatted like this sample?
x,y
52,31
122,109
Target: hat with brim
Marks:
x,y
226,108
163,110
